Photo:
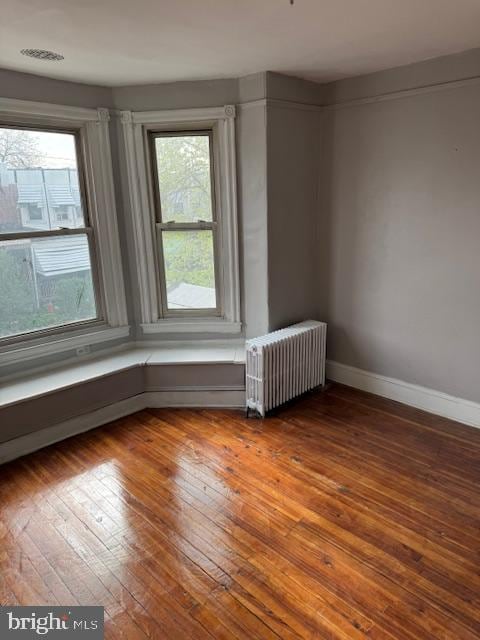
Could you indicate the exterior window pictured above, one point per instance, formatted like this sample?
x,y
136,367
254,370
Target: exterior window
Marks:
x,y
34,212
186,222
47,270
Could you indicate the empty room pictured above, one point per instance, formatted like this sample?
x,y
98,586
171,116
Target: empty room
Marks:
x,y
240,319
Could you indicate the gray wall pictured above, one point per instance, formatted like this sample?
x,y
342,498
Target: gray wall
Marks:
x,y
398,258
291,89
176,95
25,86
293,145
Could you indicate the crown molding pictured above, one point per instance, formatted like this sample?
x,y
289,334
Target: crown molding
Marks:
x,y
403,93
39,110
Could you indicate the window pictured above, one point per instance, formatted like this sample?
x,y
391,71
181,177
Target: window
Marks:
x,y
61,215
186,222
182,187
34,211
61,283
46,276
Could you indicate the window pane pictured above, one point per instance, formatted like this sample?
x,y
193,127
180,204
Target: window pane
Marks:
x,y
184,177
45,283
39,186
189,269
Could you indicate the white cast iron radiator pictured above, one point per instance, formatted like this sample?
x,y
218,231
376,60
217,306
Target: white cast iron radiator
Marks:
x,y
285,363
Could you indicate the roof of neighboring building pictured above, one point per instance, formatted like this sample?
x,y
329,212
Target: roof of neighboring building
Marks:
x,y
191,296
61,255
57,195
58,187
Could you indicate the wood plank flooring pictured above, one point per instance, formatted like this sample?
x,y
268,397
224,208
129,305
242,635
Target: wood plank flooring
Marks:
x,y
342,516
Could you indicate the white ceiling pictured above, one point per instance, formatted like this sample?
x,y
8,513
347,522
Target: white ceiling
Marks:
x,y
116,42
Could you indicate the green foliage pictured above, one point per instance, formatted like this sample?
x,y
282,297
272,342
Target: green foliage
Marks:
x,y
188,258
16,293
71,298
185,193
184,177
74,298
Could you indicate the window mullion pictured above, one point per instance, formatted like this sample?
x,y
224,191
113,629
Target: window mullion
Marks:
x,y
202,225
27,235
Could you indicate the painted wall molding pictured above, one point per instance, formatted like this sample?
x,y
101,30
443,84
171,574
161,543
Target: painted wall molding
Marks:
x,y
368,99
430,400
46,110
280,104
403,93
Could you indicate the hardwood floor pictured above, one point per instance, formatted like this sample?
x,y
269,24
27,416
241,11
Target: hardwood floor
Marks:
x,y
343,516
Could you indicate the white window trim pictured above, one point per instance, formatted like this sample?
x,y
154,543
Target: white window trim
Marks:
x,y
93,125
135,126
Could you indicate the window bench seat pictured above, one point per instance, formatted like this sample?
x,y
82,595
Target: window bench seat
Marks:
x,y
39,409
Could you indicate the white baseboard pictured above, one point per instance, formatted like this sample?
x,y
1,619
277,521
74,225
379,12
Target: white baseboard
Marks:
x,y
214,398
414,395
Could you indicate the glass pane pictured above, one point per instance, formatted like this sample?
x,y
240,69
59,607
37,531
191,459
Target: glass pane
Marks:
x,y
189,269
45,283
184,177
39,187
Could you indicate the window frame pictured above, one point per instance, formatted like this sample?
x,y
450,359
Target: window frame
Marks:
x,y
162,225
138,127
86,230
90,128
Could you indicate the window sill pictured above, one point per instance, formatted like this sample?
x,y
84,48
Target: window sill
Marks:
x,y
193,326
59,343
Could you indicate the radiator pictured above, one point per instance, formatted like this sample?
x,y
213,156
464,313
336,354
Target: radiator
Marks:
x,y
285,363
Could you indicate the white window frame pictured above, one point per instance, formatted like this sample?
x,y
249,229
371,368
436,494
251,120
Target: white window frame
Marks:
x,y
92,127
136,129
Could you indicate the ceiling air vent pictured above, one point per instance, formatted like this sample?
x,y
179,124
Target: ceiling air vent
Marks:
x,y
42,54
